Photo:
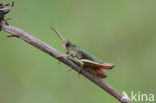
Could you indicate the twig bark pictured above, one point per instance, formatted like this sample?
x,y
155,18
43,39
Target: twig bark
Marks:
x,y
53,52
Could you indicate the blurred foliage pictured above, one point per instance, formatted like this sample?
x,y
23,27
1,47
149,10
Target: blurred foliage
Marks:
x,y
122,32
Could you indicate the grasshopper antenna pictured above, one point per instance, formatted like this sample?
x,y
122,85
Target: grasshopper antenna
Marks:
x,y
57,32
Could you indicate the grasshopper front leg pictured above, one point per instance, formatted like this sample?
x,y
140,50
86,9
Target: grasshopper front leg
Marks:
x,y
63,56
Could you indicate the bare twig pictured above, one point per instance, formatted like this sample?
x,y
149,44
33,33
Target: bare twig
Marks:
x,y
53,52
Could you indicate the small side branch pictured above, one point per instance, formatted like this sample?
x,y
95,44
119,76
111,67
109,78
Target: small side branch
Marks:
x,y
54,53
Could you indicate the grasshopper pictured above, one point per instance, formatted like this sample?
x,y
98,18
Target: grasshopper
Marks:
x,y
81,56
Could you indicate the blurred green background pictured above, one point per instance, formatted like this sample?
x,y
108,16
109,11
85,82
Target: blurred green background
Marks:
x,y
122,32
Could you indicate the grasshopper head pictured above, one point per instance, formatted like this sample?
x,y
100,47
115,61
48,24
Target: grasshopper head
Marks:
x,y
66,43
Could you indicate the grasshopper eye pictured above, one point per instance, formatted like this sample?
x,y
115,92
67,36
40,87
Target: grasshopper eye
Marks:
x,y
67,43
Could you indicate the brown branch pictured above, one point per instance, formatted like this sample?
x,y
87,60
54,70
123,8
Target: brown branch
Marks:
x,y
53,52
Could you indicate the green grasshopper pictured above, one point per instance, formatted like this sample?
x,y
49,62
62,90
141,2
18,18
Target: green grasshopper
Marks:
x,y
85,59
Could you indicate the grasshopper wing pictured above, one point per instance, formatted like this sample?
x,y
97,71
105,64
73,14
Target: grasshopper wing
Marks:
x,y
98,73
97,65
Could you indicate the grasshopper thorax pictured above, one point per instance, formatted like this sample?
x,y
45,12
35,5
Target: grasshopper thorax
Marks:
x,y
71,49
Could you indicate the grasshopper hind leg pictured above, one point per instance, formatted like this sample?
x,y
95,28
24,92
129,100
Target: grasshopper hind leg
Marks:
x,y
81,65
